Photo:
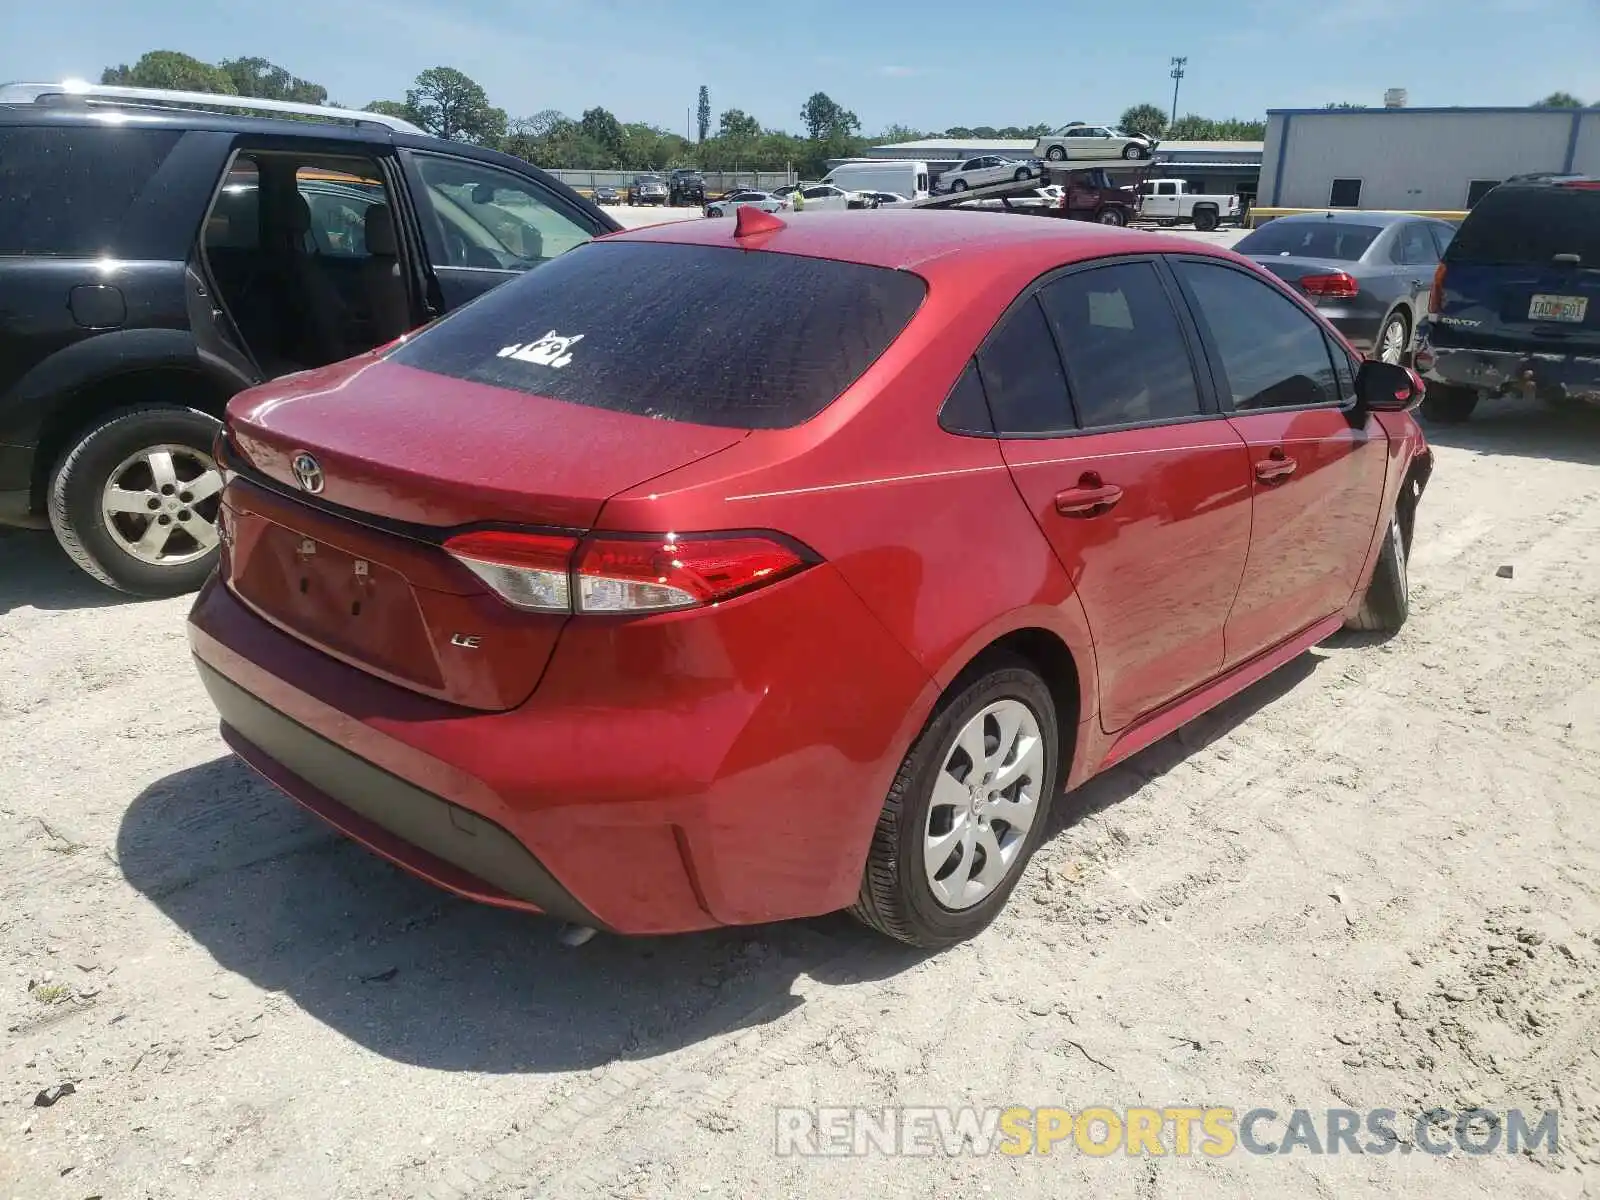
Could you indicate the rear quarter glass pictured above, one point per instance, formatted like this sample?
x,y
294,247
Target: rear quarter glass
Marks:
x,y
1530,225
701,334
66,189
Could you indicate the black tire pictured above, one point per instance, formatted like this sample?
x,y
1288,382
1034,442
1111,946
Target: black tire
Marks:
x,y
1404,336
78,481
1111,216
1388,600
1056,154
959,185
895,897
1021,174
1448,405
1205,219
1132,152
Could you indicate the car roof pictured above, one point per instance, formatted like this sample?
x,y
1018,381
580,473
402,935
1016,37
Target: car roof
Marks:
x,y
1354,216
908,239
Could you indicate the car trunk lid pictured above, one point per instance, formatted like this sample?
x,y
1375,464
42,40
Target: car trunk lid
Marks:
x,y
402,457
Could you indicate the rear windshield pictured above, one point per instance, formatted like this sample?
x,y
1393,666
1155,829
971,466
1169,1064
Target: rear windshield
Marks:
x,y
67,189
1310,239
1530,225
703,334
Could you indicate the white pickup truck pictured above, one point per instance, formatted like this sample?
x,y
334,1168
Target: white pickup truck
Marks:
x,y
1172,200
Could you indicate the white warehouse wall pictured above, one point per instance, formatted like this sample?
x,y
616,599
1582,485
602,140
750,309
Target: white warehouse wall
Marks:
x,y
1416,158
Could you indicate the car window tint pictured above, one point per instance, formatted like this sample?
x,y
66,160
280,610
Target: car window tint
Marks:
x,y
67,190
489,218
1022,375
769,341
234,222
1273,354
1416,246
1516,224
965,409
1124,349
1443,235
1310,239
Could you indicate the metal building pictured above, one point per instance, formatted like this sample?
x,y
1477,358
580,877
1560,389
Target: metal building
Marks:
x,y
1416,159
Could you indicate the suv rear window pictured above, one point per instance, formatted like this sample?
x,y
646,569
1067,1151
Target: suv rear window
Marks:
x,y
703,334
66,190
1310,239
1530,225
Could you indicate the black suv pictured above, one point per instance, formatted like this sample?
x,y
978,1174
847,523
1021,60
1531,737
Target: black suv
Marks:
x,y
686,186
1515,307
154,261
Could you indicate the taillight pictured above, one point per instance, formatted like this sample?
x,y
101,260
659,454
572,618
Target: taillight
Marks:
x,y
643,575
1436,294
526,570
609,574
1338,286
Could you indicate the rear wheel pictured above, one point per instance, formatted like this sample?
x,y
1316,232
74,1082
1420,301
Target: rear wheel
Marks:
x,y
1388,600
1205,219
1392,339
1111,216
1448,405
134,503
967,809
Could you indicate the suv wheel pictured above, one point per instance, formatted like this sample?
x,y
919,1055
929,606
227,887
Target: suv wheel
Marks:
x,y
1448,405
134,502
966,811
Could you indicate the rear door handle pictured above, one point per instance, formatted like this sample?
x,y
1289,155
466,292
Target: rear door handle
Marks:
x,y
1275,466
1090,498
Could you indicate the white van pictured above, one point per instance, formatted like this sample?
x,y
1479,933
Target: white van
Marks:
x,y
904,177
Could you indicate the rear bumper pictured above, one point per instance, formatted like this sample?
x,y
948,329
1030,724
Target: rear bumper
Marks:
x,y
1499,371
669,774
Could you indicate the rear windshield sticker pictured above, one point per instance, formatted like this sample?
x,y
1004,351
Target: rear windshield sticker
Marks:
x,y
552,350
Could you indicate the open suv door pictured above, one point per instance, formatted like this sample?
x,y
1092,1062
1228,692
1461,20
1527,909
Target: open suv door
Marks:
x,y
1515,306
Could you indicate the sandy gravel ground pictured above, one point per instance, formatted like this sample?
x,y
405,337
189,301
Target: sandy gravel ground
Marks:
x,y
1373,880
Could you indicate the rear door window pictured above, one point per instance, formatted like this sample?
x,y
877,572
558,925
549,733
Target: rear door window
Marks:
x,y
67,190
1126,358
704,334
1530,225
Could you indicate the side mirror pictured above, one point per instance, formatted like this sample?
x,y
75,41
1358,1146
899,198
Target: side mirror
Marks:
x,y
1387,387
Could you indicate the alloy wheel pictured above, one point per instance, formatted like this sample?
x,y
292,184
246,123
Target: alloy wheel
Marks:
x,y
160,505
1392,343
985,798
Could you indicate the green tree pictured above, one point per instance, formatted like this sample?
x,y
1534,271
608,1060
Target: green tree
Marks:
x,y
738,125
258,77
825,119
897,133
703,113
958,131
1560,100
1147,119
170,69
393,108
601,127
449,104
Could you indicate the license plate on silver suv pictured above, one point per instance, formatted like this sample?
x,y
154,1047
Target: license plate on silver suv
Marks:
x,y
1558,308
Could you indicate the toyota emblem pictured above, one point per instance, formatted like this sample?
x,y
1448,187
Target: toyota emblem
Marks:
x,y
307,472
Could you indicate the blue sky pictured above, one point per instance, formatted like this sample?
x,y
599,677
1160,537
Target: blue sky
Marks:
x,y
931,64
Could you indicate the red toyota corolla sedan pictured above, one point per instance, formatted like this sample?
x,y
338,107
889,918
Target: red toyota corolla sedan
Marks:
x,y
727,572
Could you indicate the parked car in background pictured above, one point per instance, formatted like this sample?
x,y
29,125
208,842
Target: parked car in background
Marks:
x,y
1173,201
884,199
825,197
908,178
686,186
1072,143
1514,306
606,194
1367,272
984,170
151,268
728,205
1071,489
647,189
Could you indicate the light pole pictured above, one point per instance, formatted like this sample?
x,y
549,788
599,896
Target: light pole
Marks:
x,y
1177,78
